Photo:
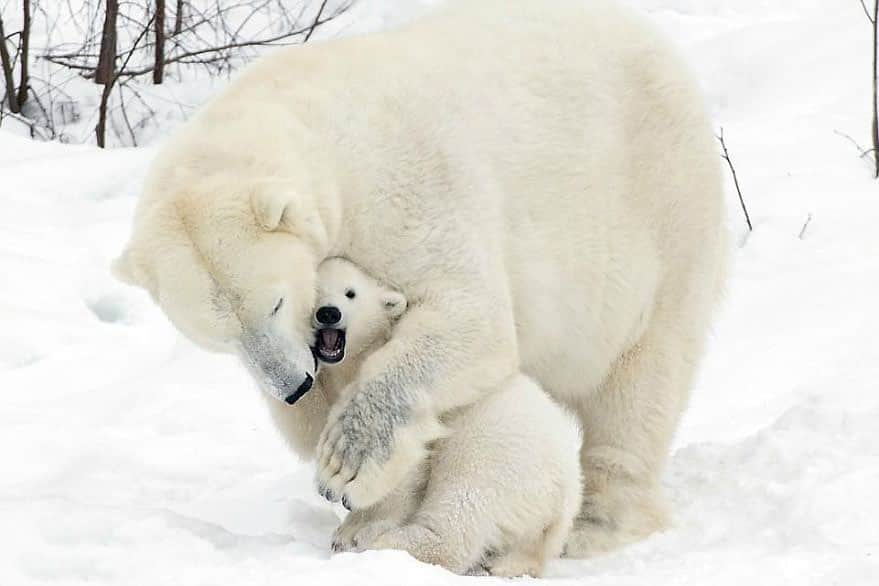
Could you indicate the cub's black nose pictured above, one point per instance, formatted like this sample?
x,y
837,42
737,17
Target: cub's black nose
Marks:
x,y
303,388
328,315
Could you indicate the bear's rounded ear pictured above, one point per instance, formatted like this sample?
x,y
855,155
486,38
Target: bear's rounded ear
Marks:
x,y
394,303
127,269
284,211
269,209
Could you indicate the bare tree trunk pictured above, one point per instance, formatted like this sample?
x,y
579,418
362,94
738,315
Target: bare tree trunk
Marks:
x,y
101,128
24,80
875,21
6,65
159,26
107,59
178,18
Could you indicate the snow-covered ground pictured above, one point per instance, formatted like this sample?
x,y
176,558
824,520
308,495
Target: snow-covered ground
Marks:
x,y
127,456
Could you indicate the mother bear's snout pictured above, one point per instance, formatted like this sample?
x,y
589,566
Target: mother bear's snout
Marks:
x,y
303,388
284,369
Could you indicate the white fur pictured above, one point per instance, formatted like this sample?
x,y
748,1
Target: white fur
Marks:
x,y
506,481
502,478
541,183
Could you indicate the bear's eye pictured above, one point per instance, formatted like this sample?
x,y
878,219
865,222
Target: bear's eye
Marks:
x,y
277,307
350,294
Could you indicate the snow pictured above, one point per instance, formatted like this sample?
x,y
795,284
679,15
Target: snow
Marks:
x,y
128,456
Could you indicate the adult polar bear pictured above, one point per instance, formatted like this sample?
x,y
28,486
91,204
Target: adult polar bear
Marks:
x,y
539,180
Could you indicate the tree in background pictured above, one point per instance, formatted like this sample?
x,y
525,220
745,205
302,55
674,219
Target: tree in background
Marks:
x,y
124,48
16,99
159,26
106,66
873,17
178,18
6,64
24,54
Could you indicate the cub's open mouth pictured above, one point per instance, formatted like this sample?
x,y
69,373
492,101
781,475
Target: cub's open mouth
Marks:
x,y
330,345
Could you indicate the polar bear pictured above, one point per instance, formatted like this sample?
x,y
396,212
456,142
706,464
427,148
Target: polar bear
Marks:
x,y
542,185
501,486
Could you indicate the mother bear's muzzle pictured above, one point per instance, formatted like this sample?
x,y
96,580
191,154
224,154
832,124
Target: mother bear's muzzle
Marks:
x,y
284,369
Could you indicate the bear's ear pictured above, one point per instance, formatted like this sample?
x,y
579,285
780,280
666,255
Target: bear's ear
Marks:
x,y
394,303
128,269
269,209
283,211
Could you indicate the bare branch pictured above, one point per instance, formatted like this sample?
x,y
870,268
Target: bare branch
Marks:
x,y
257,43
316,21
866,10
806,225
875,126
862,152
735,179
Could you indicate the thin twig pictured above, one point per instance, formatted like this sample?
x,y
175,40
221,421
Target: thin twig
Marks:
x,y
875,124
806,225
735,179
226,47
861,150
866,11
316,21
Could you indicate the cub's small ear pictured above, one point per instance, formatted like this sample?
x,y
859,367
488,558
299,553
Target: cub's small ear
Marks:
x,y
283,211
394,303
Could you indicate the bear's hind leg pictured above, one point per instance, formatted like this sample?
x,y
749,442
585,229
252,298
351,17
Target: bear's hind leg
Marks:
x,y
628,423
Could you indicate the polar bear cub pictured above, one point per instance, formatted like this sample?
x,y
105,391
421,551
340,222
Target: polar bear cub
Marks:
x,y
500,487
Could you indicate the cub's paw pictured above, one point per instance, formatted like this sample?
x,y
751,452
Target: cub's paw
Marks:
x,y
364,538
358,530
343,536
426,545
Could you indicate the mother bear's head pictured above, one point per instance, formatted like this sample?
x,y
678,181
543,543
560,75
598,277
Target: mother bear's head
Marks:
x,y
229,250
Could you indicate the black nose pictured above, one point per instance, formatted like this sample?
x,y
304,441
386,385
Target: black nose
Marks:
x,y
328,315
303,388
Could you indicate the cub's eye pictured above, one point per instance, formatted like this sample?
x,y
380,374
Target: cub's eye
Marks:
x,y
350,294
277,307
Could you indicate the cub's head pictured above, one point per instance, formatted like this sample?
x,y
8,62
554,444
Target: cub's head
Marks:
x,y
231,258
354,311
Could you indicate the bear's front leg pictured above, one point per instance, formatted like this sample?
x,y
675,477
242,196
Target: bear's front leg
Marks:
x,y
434,363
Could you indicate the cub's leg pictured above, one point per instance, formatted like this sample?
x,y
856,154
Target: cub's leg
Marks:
x,y
361,527
529,556
508,472
527,559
